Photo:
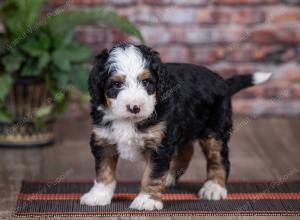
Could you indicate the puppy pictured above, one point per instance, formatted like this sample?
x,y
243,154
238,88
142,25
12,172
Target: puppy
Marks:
x,y
145,109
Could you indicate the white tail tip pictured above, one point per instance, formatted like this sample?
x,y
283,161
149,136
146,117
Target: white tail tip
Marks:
x,y
261,77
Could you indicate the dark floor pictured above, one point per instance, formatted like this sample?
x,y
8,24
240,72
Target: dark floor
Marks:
x,y
261,149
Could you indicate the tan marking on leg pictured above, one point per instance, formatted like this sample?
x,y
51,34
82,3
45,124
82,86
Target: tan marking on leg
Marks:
x,y
153,187
106,173
181,160
154,135
212,151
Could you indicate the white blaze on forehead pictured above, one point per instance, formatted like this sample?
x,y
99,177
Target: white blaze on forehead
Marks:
x,y
128,61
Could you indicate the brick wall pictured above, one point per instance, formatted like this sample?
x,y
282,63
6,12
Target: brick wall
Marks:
x,y
230,36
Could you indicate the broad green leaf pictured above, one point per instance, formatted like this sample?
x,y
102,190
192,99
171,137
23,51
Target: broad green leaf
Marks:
x,y
59,97
32,47
33,10
43,111
5,116
35,46
6,82
40,114
44,59
44,39
62,80
60,61
19,16
39,122
30,69
12,61
76,52
79,78
62,39
68,20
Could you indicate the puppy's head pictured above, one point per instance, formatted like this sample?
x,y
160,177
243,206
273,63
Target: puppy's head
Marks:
x,y
123,82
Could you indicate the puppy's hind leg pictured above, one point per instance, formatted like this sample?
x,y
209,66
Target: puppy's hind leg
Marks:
x,y
179,164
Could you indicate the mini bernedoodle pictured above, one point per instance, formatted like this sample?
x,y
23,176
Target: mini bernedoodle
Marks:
x,y
145,109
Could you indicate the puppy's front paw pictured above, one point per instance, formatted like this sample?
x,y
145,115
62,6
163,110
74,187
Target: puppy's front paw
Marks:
x,y
212,191
144,202
100,194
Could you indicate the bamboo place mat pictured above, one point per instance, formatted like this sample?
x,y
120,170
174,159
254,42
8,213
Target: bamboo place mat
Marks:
x,y
38,198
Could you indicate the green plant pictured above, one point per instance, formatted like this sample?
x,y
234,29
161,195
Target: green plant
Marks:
x,y
43,45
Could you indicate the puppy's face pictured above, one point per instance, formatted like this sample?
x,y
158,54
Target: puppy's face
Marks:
x,y
129,85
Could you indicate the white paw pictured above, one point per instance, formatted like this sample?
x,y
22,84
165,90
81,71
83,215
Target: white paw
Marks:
x,y
170,180
144,202
100,194
212,191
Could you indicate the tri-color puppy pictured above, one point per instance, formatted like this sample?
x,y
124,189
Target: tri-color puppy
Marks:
x,y
145,109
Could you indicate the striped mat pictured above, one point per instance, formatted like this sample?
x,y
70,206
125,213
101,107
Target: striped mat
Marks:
x,y
258,198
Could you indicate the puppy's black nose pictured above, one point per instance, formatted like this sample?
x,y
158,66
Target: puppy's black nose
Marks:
x,y
133,109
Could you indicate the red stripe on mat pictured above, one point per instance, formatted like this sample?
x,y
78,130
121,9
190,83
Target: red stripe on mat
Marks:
x,y
130,196
157,212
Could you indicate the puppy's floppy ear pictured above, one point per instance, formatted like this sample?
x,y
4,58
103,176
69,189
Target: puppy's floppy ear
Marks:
x,y
96,79
152,56
155,61
158,69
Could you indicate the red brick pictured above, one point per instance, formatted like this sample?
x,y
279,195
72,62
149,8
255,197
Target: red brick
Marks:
x,y
227,15
275,53
277,89
174,15
155,35
244,2
207,55
177,2
161,15
123,2
247,16
91,34
261,53
240,54
196,35
288,55
264,35
286,34
296,90
140,14
283,15
225,69
289,72
230,69
174,53
88,2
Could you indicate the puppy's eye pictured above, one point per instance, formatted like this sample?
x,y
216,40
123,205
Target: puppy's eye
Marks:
x,y
146,82
117,84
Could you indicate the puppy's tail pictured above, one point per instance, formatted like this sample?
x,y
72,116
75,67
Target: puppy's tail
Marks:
x,y
237,83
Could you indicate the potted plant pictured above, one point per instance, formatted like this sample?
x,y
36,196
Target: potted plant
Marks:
x,y
41,64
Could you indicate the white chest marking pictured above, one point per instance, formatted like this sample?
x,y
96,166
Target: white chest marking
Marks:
x,y
128,140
